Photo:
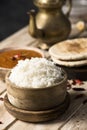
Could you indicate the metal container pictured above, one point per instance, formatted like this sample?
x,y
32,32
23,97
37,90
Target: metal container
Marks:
x,y
50,24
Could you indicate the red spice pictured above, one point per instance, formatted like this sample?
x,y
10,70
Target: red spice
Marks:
x,y
1,99
17,56
1,122
77,81
73,82
78,89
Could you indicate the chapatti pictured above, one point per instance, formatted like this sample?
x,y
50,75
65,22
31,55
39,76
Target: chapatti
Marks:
x,y
75,49
70,63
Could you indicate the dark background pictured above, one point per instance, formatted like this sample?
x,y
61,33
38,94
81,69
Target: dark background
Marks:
x,y
13,16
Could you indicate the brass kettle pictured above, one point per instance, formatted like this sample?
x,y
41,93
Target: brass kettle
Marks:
x,y
50,24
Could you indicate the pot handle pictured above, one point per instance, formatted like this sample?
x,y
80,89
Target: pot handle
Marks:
x,y
69,2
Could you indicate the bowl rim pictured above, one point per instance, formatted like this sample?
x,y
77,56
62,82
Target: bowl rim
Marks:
x,y
23,48
36,89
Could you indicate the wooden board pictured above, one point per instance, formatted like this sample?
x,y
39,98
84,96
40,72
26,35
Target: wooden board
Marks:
x,y
5,117
37,116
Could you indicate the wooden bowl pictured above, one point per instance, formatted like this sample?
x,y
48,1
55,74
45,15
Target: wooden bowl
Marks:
x,y
8,58
37,116
36,98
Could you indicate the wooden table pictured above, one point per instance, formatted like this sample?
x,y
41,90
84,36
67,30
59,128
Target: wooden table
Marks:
x,y
75,117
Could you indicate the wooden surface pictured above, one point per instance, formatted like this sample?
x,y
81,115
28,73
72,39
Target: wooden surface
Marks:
x,y
37,116
75,117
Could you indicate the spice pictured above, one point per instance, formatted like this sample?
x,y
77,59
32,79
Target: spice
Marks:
x,y
16,57
1,99
19,56
77,81
78,89
1,122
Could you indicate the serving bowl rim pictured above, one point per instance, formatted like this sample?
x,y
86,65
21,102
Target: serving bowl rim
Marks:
x,y
36,89
22,48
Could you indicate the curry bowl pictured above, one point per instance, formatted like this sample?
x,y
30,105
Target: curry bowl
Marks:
x,y
9,58
36,99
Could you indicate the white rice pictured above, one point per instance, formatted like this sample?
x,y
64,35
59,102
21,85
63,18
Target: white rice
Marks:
x,y
35,73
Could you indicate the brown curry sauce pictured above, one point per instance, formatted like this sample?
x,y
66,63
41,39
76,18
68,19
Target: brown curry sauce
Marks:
x,y
9,59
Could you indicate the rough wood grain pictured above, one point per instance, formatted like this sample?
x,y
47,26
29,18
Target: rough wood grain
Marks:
x,y
2,87
61,121
5,117
20,38
79,120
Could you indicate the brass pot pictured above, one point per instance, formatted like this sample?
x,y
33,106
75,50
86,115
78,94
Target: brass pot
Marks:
x,y
36,98
50,24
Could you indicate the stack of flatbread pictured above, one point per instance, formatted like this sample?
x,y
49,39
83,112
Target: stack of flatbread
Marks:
x,y
70,53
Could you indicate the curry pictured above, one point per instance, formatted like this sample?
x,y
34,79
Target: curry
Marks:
x,y
9,59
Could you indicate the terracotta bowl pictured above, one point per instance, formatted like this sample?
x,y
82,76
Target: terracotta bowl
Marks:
x,y
36,98
5,55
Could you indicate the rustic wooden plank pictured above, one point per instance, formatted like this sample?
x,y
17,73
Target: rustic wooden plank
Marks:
x,y
75,104
78,121
2,86
20,38
5,117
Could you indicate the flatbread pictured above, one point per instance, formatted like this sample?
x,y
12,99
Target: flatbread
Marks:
x,y
70,63
75,49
